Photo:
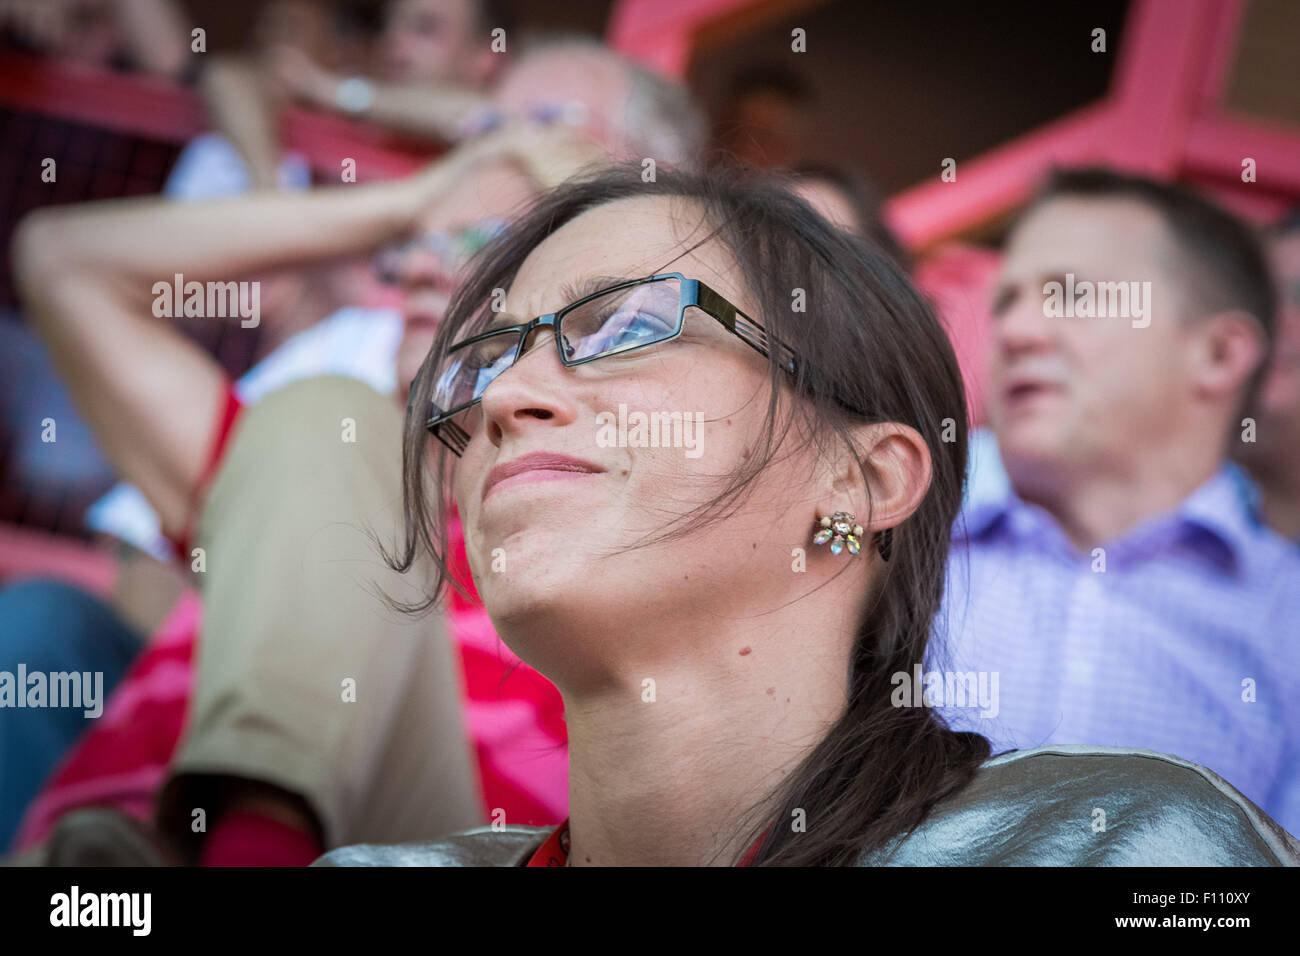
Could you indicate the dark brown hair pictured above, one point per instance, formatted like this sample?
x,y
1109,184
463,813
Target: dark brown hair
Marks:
x,y
872,351
864,198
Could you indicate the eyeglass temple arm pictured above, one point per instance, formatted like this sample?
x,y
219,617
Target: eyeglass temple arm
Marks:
x,y
745,328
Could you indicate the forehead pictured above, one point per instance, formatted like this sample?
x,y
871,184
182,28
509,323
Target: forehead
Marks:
x,y
1114,239
630,238
564,74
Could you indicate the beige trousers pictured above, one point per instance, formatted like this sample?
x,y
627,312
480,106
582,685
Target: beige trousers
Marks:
x,y
306,679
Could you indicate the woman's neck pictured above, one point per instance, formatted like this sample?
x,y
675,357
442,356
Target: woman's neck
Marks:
x,y
666,774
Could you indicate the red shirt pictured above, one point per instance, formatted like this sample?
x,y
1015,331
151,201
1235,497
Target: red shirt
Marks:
x,y
231,408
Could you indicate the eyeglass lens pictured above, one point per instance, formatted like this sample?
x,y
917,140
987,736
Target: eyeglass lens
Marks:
x,y
616,322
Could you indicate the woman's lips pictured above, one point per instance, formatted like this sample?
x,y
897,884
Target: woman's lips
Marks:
x,y
537,466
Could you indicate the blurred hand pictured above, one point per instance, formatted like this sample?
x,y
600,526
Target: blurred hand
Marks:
x,y
298,76
549,154
545,155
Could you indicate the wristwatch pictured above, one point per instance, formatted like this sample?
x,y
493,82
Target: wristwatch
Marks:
x,y
355,94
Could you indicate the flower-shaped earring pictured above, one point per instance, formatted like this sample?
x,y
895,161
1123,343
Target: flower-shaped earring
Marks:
x,y
840,529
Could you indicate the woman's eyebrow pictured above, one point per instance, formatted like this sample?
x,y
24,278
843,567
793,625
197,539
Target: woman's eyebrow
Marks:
x,y
570,292
581,288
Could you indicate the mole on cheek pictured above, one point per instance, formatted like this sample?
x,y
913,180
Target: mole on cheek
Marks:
x,y
744,651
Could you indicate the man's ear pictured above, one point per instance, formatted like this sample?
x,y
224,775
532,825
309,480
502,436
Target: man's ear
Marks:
x,y
896,460
1227,348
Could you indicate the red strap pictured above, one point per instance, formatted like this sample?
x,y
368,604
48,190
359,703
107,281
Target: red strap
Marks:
x,y
554,850
753,850
231,408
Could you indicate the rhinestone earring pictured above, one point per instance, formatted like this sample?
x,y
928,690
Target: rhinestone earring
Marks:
x,y
839,529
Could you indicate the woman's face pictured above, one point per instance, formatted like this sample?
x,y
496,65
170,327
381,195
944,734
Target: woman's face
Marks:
x,y
539,542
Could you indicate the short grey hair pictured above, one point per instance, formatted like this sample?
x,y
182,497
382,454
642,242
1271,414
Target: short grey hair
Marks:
x,y
661,118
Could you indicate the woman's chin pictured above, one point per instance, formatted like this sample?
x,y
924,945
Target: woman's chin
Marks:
x,y
522,596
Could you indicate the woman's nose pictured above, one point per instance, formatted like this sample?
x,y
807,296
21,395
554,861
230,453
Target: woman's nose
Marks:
x,y
529,391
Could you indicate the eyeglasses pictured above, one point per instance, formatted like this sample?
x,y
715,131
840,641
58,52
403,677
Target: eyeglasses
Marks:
x,y
454,248
550,113
613,321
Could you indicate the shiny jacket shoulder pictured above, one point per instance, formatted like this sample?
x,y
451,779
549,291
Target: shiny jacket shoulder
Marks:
x,y
1052,806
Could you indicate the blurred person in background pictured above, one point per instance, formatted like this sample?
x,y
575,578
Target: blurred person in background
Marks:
x,y
431,64
1273,458
1118,588
766,120
149,37
848,200
572,80
281,765
52,627
146,35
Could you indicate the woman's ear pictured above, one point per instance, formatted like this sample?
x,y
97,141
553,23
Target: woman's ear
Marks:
x,y
897,464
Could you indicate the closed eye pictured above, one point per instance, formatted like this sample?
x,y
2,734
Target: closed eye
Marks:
x,y
626,329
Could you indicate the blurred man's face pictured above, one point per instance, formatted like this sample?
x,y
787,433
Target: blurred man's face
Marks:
x,y
299,23
90,33
432,41
599,84
595,85
1079,395
428,277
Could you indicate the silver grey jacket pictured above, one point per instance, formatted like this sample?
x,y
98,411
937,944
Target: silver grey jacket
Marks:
x,y
1024,808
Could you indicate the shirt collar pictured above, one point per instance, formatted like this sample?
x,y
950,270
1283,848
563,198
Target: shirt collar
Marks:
x,y
1218,513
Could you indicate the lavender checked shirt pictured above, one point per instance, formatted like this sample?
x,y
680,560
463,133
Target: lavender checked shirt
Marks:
x,y
1187,643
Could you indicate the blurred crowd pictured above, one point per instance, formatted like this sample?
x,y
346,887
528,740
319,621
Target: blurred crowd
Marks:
x,y
1127,565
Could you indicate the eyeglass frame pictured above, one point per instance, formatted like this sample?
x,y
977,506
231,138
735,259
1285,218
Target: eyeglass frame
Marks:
x,y
692,294
453,247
